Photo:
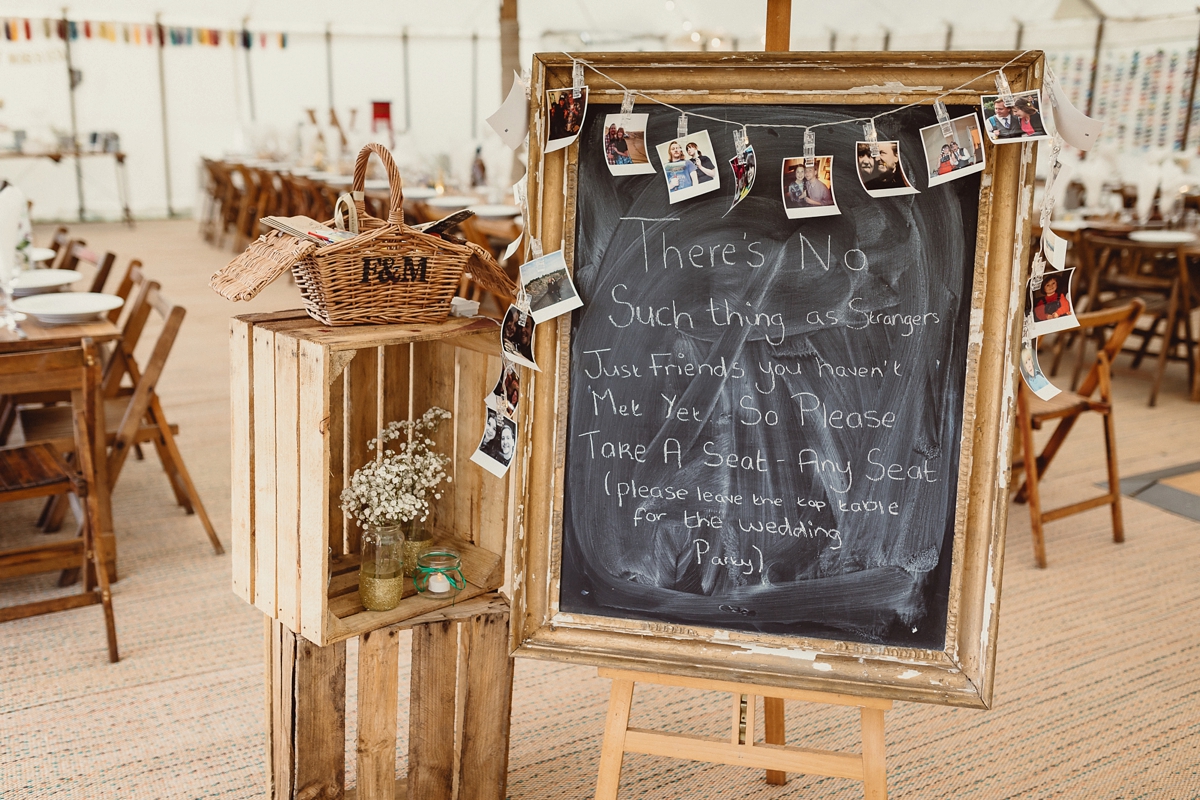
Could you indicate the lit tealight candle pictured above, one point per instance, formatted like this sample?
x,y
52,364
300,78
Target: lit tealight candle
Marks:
x,y
438,583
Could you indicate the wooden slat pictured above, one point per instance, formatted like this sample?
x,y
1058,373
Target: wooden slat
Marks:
x,y
313,457
241,412
774,732
51,557
486,706
395,361
337,473
361,422
431,715
288,493
473,383
763,756
319,694
378,684
281,721
264,470
433,385
873,754
493,492
8,613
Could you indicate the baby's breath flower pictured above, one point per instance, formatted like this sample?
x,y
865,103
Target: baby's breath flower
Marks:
x,y
392,488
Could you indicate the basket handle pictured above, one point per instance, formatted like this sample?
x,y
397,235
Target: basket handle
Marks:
x,y
395,182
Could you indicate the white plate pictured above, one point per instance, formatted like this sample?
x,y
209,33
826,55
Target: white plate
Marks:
x,y
450,201
1162,237
41,281
67,308
1068,225
40,254
378,185
498,211
419,192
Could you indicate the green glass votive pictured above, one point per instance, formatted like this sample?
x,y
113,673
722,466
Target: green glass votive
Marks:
x,y
439,574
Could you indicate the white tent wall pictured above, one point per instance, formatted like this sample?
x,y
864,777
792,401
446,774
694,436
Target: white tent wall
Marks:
x,y
454,83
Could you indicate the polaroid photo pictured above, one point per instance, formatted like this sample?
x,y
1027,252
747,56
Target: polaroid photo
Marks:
x,y
565,113
808,190
548,284
625,144
498,444
1021,123
743,167
882,175
1031,371
1051,305
958,156
507,391
516,336
1055,248
688,166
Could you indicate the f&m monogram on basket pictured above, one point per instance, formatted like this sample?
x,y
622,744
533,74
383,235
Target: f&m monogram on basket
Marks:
x,y
412,269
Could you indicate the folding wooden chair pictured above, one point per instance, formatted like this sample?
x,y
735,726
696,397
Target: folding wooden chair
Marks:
x,y
79,257
1033,412
133,415
39,470
1157,274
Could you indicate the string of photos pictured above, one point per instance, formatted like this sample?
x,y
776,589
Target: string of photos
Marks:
x,y
18,30
954,148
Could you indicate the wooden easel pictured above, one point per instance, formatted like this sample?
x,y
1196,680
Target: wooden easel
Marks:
x,y
741,750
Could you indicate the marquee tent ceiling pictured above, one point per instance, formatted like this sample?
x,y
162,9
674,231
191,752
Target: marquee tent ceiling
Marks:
x,y
736,18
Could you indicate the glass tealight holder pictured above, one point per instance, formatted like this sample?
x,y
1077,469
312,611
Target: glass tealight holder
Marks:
x,y
381,574
439,574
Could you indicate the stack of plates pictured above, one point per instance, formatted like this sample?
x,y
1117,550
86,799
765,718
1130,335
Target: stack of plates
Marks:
x,y
40,254
1163,237
419,192
496,211
67,308
450,202
42,281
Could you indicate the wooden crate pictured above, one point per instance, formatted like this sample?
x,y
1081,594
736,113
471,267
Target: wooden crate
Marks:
x,y
305,399
459,696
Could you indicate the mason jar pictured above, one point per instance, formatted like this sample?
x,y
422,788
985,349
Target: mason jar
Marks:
x,y
381,574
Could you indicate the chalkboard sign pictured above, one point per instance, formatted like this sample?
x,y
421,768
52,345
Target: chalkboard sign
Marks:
x,y
767,444
765,413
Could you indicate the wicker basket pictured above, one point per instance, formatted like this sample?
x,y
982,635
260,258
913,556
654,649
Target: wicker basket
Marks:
x,y
388,273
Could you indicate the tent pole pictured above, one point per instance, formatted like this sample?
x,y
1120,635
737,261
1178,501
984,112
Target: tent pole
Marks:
x,y
949,35
1020,35
510,60
162,102
1187,120
248,45
407,104
329,63
1091,98
72,83
887,39
779,26
474,84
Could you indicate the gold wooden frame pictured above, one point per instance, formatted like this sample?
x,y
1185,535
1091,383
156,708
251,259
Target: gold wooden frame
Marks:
x,y
961,674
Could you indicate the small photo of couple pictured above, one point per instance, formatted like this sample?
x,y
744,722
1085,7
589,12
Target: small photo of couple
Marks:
x,y
507,391
688,166
498,444
952,157
516,337
808,187
625,144
1020,122
882,175
565,113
